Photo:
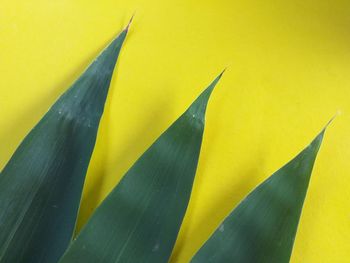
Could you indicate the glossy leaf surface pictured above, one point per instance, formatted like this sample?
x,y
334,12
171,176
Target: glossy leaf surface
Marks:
x,y
263,226
140,219
41,186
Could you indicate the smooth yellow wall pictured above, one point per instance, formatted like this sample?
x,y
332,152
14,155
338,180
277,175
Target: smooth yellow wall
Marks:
x,y
289,65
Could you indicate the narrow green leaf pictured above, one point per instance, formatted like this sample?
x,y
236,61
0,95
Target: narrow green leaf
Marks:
x,y
263,226
140,219
40,187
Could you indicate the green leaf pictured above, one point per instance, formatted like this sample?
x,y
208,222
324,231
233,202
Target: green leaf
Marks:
x,y
140,219
40,187
263,226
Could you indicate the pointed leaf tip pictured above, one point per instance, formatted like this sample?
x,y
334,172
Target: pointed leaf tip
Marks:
x,y
140,219
130,21
41,185
198,107
265,222
215,81
332,119
224,70
318,139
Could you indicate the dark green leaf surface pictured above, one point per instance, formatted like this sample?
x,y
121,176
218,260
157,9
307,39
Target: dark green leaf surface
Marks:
x,y
40,187
263,226
140,219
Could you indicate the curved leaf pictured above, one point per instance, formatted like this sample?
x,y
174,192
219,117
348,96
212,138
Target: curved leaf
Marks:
x,y
40,187
140,219
263,226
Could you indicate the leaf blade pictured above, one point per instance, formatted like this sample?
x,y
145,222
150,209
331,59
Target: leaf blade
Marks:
x,y
263,226
40,187
140,219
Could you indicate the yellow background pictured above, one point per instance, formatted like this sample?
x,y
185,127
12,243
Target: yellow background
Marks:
x,y
289,65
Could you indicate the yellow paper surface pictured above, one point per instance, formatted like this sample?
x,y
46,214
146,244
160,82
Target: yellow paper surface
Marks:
x,y
288,74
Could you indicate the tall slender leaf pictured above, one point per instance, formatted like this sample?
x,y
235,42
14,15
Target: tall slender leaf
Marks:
x,y
40,187
263,226
140,219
